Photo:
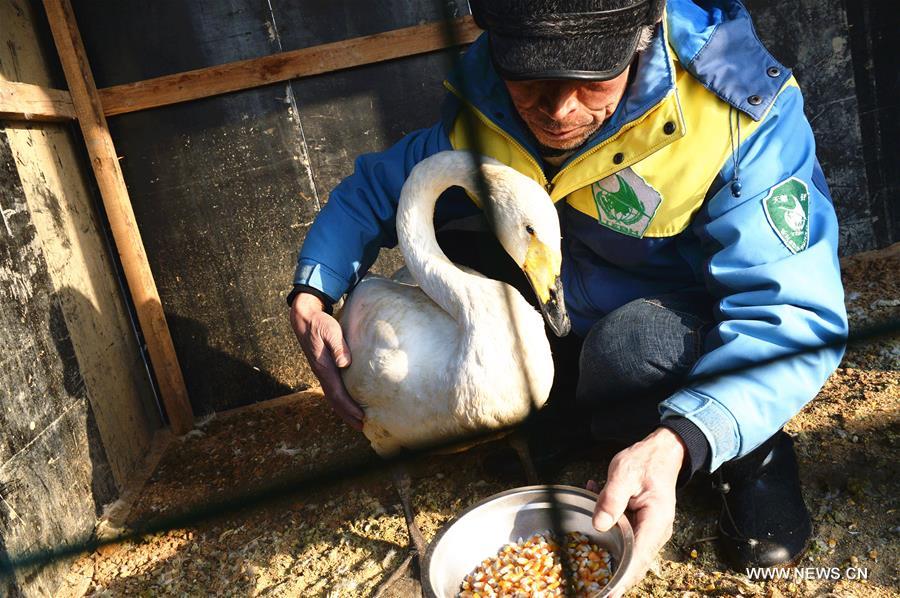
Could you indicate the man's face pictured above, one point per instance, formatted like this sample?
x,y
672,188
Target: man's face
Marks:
x,y
562,114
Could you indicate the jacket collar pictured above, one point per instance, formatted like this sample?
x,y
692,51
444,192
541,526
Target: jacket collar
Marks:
x,y
479,84
715,43
718,46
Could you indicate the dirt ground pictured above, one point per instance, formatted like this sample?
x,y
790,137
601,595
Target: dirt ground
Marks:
x,y
341,539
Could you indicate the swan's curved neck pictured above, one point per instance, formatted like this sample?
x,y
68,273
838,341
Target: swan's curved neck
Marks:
x,y
447,285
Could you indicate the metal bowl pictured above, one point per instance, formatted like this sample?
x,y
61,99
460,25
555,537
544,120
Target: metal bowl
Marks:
x,y
482,529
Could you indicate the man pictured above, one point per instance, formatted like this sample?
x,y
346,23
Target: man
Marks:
x,y
699,246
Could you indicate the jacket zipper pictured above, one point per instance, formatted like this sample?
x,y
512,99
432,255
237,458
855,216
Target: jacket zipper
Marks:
x,y
626,127
548,186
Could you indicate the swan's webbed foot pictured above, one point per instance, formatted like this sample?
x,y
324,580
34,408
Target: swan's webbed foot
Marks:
x,y
403,484
398,574
417,543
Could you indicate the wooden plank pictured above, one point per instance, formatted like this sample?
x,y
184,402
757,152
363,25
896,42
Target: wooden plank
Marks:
x,y
219,187
325,58
112,521
295,397
119,211
23,101
49,161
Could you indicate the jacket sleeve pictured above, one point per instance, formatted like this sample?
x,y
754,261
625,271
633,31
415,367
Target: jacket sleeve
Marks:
x,y
358,218
781,321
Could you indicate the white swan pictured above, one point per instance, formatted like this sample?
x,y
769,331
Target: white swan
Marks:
x,y
457,353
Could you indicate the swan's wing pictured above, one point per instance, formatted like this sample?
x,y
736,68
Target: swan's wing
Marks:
x,y
409,372
398,333
402,346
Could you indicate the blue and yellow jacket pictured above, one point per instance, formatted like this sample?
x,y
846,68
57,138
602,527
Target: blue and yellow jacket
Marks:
x,y
649,206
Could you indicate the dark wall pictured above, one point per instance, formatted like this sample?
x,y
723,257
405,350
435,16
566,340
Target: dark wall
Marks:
x,y
54,474
847,69
225,188
811,38
873,28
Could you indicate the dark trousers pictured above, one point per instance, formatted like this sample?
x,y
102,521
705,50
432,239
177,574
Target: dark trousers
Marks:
x,y
635,357
630,360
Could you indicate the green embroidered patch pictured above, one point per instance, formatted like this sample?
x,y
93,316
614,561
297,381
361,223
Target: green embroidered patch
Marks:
x,y
787,210
626,203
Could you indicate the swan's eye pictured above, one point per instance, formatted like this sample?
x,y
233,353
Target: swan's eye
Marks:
x,y
529,229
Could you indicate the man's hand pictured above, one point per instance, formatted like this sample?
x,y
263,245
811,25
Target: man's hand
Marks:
x,y
322,341
642,480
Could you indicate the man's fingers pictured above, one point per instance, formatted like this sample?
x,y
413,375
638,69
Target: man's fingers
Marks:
x,y
334,340
323,342
338,396
328,374
613,500
652,528
620,592
348,410
642,479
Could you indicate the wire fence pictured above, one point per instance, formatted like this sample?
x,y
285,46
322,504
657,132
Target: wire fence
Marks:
x,y
293,485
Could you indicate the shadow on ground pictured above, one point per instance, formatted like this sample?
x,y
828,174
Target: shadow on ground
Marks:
x,y
341,540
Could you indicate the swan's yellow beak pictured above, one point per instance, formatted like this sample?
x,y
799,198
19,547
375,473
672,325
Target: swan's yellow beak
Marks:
x,y
542,266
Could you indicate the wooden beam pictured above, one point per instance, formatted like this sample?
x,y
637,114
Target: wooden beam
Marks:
x,y
112,521
325,58
118,208
23,101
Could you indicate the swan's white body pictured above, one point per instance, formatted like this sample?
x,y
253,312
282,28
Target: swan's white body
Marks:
x,y
456,352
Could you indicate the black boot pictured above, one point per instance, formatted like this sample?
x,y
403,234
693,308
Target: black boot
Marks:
x,y
764,521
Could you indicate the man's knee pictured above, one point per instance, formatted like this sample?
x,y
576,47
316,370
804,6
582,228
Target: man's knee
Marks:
x,y
646,348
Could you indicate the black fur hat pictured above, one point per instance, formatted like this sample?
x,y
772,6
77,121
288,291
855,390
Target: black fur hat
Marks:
x,y
564,39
